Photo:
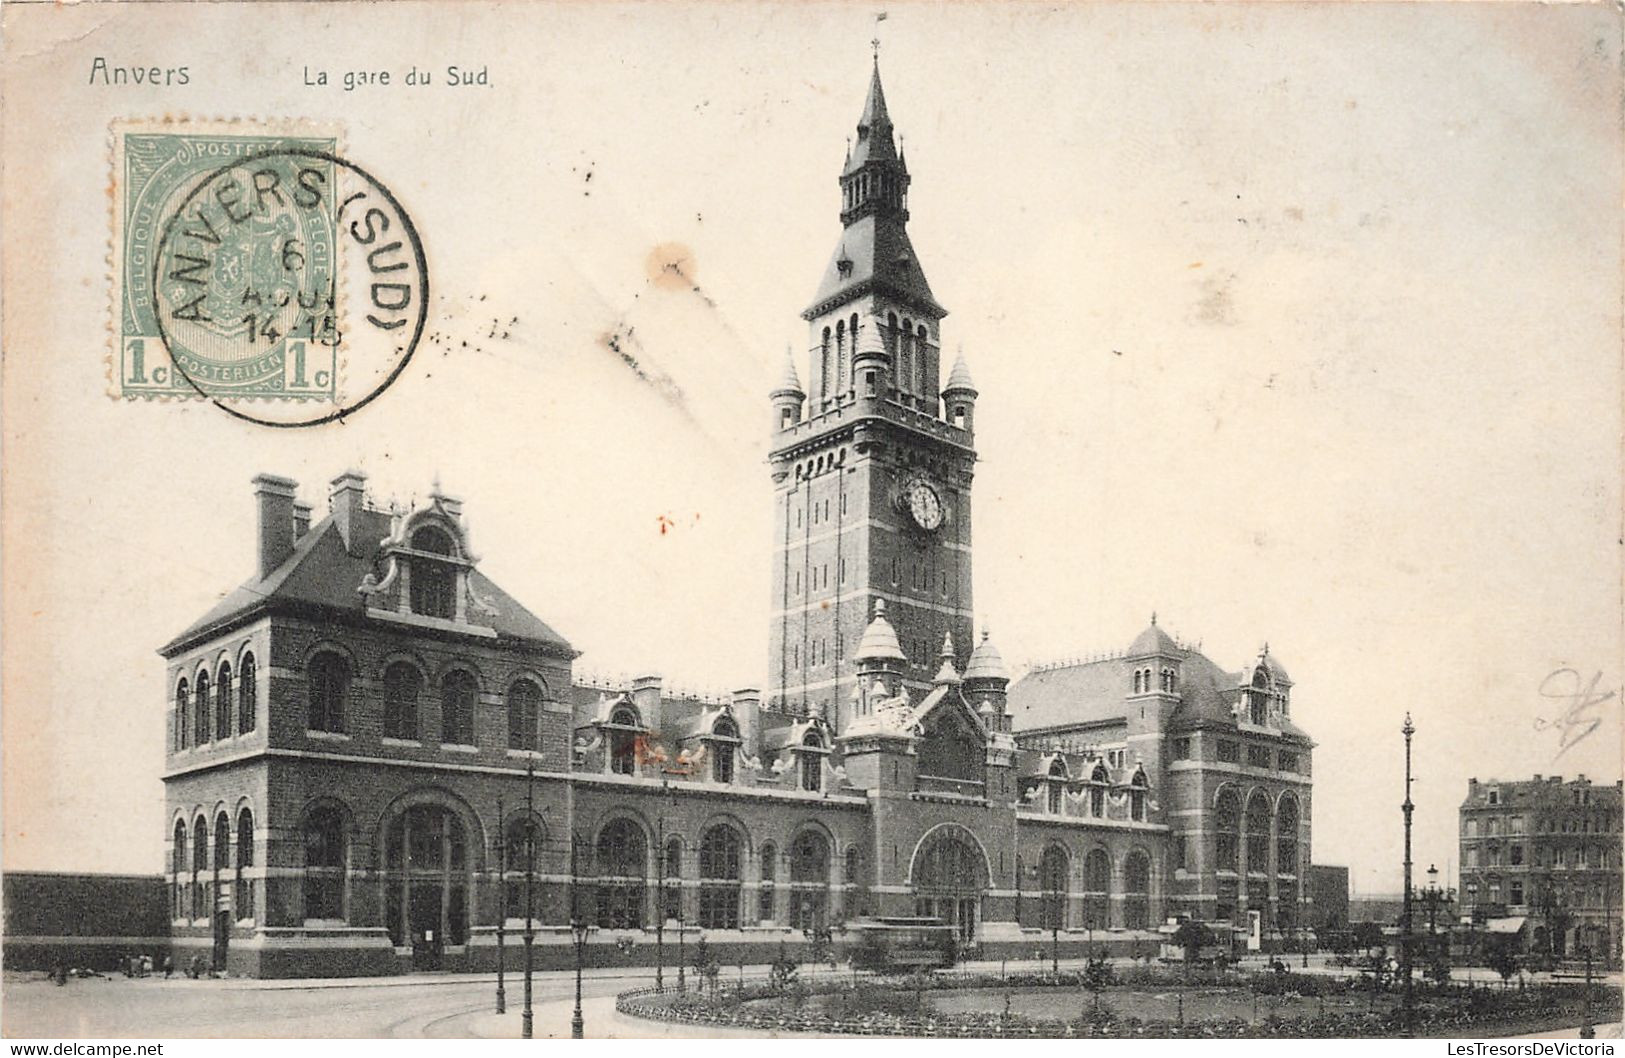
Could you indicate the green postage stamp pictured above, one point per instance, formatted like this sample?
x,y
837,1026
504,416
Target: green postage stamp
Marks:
x,y
226,275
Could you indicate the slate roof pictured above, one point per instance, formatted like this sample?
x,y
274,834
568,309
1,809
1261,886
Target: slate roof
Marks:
x,y
322,574
879,253
1071,694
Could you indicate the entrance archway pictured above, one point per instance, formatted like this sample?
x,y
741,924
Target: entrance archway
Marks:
x,y
426,882
949,875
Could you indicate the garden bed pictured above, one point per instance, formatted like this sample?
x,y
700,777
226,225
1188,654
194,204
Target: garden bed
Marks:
x,y
1138,1004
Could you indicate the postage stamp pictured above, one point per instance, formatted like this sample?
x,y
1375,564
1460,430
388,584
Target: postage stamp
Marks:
x,y
230,272
249,278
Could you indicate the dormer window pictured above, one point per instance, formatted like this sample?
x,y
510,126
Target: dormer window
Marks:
x,y
812,764
1057,785
725,734
623,742
1258,707
843,268
434,582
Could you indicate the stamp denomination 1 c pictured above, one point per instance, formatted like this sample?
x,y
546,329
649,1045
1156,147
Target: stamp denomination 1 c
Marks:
x,y
247,280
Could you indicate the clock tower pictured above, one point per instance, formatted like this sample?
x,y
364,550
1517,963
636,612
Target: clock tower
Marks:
x,y
872,462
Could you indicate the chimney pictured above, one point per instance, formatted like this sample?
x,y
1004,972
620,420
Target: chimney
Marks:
x,y
301,520
1537,776
747,703
274,497
646,697
344,500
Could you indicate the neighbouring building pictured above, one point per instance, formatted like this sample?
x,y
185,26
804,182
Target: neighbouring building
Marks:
x,y
1327,905
1547,852
377,757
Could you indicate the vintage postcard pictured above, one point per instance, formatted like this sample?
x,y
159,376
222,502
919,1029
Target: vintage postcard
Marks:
x,y
488,510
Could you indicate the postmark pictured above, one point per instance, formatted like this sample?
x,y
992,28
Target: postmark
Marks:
x,y
259,270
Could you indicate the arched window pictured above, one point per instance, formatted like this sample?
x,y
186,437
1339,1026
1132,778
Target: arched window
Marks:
x,y
1137,890
247,696
725,735
809,880
951,748
1286,836
769,858
244,890
920,358
672,880
204,705
1227,829
458,692
622,861
1137,797
623,742
1258,832
1097,889
222,701
905,363
222,857
1057,785
329,680
202,891
524,714
523,842
426,878
857,899
177,866
183,715
841,350
434,581
719,878
1258,707
812,764
402,684
1099,779
1052,879
325,861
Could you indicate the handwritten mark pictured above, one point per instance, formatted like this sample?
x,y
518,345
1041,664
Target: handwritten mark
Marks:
x,y
1577,719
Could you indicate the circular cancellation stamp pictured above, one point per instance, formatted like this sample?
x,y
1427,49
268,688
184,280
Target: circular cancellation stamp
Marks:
x,y
257,269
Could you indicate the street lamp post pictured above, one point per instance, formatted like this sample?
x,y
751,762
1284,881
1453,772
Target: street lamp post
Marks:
x,y
1407,730
682,983
502,907
660,912
526,1019
1054,934
578,931
1587,1029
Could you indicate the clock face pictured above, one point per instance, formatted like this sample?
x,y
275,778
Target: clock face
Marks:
x,y
923,505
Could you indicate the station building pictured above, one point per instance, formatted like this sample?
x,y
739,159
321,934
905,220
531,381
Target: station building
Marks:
x,y
377,757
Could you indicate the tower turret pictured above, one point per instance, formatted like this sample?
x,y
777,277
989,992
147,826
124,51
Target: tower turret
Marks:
x,y
959,396
787,396
986,679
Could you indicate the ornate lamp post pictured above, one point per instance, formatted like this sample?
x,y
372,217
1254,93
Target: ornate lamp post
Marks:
x,y
526,1019
578,931
1407,730
502,906
660,912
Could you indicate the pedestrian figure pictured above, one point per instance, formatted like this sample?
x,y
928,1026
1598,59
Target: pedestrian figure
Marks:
x,y
197,967
169,965
146,966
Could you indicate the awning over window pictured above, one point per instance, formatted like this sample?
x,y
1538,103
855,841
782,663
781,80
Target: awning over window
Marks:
x,y
1505,925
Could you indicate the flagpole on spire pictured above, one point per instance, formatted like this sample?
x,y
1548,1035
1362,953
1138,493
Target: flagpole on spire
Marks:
x,y
880,16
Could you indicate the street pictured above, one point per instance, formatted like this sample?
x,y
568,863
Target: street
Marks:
x,y
442,1006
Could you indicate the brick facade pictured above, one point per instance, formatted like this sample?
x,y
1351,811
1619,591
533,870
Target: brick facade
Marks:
x,y
376,756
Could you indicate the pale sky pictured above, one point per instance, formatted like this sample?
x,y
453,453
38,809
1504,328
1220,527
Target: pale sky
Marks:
x,y
1291,323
